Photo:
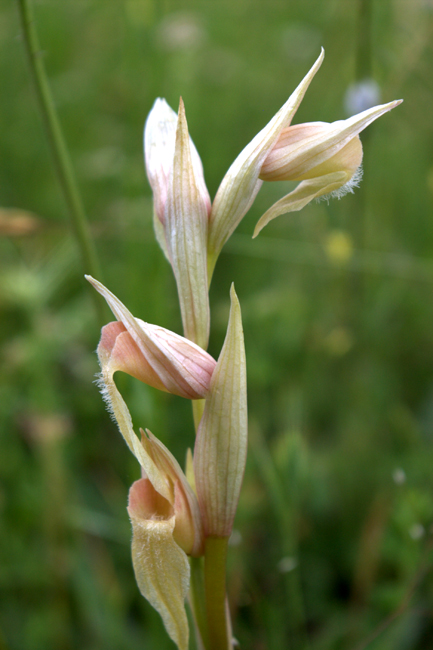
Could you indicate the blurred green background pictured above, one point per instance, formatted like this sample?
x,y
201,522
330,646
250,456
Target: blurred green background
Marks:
x,y
334,528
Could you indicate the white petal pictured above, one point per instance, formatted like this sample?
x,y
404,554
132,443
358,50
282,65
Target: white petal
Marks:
x,y
160,234
159,138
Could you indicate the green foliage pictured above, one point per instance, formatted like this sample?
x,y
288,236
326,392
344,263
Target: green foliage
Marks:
x,y
334,528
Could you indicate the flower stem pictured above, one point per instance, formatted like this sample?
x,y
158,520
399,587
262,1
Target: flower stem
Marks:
x,y
59,149
215,592
197,598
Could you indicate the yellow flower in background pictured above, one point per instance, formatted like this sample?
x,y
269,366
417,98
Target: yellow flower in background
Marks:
x,y
338,246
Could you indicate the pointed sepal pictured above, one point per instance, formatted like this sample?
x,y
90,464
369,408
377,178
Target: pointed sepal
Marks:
x,y
186,229
221,443
241,184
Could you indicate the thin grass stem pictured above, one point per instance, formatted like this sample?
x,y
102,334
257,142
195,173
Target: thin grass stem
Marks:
x,y
59,150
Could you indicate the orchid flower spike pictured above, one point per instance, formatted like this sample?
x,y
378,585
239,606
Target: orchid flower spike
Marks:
x,y
152,354
181,211
325,157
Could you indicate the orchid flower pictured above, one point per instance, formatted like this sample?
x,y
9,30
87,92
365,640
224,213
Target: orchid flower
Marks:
x,y
325,157
166,527
241,183
152,354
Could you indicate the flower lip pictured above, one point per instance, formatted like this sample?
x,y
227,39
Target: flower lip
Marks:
x,y
161,566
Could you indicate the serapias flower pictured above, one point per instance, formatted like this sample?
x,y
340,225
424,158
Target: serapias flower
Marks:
x,y
159,150
181,211
325,157
152,354
166,528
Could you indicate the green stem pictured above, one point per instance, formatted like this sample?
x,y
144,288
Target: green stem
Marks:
x,y
215,592
197,598
59,149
